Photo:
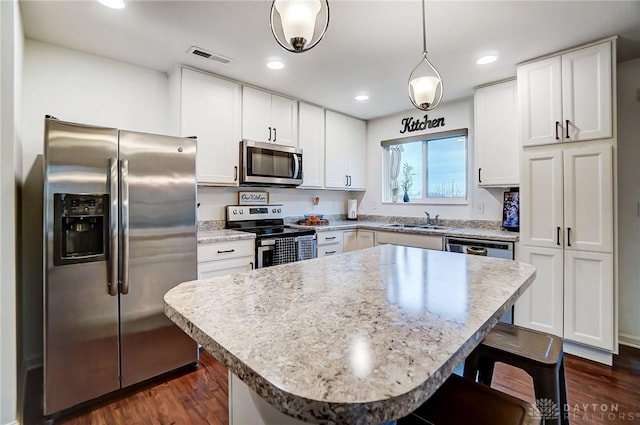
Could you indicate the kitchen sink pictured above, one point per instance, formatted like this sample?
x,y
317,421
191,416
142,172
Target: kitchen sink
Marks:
x,y
419,226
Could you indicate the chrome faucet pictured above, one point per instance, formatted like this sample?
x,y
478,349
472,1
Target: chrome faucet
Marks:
x,y
437,221
428,218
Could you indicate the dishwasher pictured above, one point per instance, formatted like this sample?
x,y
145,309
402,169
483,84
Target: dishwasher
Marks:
x,y
488,248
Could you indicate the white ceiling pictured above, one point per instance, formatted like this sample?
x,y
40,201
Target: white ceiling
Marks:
x,y
371,45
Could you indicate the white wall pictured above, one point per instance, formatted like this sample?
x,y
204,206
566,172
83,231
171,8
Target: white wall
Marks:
x,y
11,36
628,199
457,114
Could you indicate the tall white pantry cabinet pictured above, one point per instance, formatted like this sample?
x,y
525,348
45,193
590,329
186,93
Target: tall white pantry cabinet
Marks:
x,y
567,122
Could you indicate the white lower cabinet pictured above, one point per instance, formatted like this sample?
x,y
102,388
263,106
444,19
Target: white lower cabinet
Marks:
x,y
224,258
541,306
407,239
329,243
572,296
357,239
588,301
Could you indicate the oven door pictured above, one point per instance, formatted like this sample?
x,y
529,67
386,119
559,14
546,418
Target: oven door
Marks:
x,y
270,164
265,251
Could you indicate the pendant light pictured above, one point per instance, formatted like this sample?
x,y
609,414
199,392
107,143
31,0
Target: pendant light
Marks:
x,y
293,23
425,83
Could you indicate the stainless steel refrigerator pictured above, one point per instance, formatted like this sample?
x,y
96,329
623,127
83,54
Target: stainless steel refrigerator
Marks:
x,y
119,232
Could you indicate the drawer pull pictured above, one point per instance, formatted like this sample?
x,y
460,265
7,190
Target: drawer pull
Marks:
x,y
226,251
329,252
329,238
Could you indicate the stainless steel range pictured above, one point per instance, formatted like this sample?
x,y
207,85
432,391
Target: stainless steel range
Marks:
x,y
276,243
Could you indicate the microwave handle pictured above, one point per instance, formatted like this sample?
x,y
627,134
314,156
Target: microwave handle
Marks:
x,y
296,165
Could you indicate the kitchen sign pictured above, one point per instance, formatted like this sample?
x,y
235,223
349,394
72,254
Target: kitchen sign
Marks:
x,y
411,124
253,198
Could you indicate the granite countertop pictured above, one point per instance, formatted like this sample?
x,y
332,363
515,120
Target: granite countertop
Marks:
x,y
223,235
359,338
466,232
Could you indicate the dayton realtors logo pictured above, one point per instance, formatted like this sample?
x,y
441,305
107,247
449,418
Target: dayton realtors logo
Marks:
x,y
410,124
548,412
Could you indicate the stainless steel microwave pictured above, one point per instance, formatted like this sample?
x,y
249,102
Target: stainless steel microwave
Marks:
x,y
268,164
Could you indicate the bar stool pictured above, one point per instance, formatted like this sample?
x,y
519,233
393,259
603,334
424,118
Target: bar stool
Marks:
x,y
537,353
461,401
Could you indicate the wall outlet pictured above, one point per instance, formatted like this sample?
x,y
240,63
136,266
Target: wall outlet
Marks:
x,y
479,208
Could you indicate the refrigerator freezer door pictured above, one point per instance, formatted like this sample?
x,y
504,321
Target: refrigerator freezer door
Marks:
x,y
80,316
159,229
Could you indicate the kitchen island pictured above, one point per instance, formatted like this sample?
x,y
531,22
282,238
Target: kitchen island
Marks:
x,y
360,338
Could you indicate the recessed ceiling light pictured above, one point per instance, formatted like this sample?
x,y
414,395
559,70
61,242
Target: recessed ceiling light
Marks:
x,y
275,65
486,59
362,97
113,4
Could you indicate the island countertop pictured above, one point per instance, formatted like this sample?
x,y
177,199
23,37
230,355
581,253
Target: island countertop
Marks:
x,y
359,338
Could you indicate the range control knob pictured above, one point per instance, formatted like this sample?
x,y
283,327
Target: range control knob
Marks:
x,y
235,212
241,211
279,210
273,210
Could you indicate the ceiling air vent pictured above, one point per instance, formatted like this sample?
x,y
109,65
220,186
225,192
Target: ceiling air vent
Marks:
x,y
197,51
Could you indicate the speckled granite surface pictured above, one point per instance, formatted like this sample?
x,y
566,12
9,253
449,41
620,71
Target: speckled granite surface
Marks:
x,y
223,235
354,339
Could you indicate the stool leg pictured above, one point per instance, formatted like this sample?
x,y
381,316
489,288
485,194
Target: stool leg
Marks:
x,y
546,387
564,397
471,365
485,371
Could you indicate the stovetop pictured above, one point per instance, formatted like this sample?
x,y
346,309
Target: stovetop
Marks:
x,y
263,220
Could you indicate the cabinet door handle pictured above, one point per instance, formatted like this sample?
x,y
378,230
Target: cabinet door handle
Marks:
x,y
568,236
557,124
235,173
558,235
567,124
251,264
269,134
479,175
346,177
275,134
226,251
349,180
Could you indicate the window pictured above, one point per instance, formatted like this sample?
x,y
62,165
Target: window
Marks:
x,y
433,167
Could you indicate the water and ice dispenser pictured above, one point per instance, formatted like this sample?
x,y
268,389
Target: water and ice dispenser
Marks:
x,y
81,228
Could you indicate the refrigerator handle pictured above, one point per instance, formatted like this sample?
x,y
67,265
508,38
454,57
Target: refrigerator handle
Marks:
x,y
112,283
124,220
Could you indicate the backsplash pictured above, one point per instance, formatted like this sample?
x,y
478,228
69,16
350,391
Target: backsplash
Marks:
x,y
475,224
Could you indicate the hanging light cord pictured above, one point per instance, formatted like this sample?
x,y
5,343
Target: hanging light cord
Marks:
x,y
424,30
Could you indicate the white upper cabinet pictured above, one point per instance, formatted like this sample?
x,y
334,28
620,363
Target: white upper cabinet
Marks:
x,y
270,118
496,135
344,152
311,141
588,198
567,98
567,198
586,93
210,109
541,199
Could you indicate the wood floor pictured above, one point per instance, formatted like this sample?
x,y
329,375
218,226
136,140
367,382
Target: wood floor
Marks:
x,y
597,394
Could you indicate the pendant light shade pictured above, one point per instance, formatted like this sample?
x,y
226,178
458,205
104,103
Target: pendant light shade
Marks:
x,y
299,25
425,83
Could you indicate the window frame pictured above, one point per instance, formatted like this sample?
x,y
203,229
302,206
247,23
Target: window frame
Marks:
x,y
425,138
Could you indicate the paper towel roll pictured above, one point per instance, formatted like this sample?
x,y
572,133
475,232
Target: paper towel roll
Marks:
x,y
352,209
